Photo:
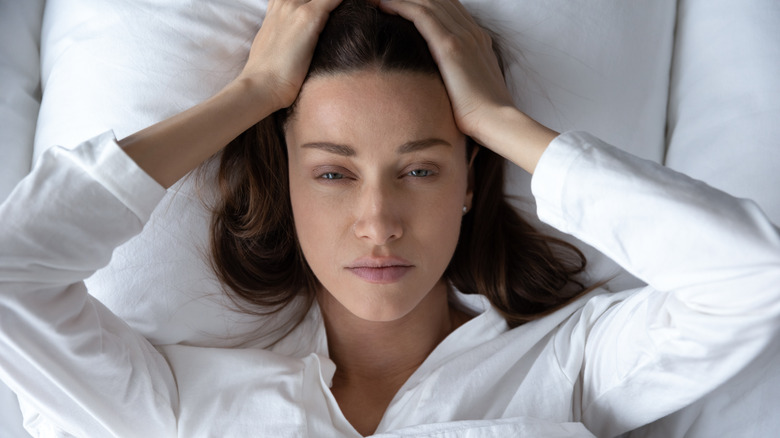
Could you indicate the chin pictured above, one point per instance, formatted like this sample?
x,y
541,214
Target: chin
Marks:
x,y
380,311
375,303
380,304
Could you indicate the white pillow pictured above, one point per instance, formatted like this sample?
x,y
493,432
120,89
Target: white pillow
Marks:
x,y
724,109
723,117
124,65
600,66
20,29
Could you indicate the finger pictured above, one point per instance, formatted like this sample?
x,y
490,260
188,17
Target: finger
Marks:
x,y
463,11
270,7
321,9
451,36
420,6
452,8
460,15
433,23
385,6
451,14
325,5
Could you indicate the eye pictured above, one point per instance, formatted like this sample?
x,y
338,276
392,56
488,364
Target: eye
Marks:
x,y
332,176
420,173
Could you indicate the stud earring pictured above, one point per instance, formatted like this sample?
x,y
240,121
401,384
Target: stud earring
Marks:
x,y
465,209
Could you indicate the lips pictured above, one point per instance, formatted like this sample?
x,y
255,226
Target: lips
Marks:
x,y
380,270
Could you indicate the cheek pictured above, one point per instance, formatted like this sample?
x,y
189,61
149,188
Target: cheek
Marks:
x,y
435,224
315,224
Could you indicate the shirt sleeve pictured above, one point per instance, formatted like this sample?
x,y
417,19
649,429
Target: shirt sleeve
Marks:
x,y
85,370
712,265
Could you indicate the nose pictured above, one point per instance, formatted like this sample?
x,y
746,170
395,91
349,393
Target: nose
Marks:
x,y
378,218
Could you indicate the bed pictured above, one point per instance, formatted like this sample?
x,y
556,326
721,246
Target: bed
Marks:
x,y
692,84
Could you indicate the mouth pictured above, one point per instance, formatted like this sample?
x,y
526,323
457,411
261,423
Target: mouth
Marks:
x,y
384,270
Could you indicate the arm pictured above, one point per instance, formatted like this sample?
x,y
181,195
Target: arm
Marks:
x,y
70,358
271,79
61,350
170,149
712,261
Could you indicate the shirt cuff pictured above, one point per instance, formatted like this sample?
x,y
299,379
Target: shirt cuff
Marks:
x,y
549,179
106,162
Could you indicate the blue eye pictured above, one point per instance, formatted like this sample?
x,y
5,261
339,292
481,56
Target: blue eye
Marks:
x,y
331,175
420,173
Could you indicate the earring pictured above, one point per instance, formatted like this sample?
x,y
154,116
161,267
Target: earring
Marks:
x,y
465,209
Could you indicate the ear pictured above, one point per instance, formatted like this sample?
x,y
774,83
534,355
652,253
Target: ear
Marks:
x,y
470,187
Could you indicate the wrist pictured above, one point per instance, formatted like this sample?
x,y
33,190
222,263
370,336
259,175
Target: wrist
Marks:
x,y
252,97
514,135
494,120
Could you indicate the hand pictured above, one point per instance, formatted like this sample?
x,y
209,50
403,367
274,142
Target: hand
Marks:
x,y
282,50
271,79
464,53
481,102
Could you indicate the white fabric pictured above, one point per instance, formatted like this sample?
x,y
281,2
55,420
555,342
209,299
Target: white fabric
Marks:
x,y
610,362
725,98
20,98
600,65
48,321
597,65
20,34
723,128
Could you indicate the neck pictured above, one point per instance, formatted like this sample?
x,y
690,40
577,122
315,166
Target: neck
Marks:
x,y
387,350
374,359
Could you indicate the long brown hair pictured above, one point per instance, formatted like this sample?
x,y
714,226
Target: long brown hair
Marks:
x,y
255,252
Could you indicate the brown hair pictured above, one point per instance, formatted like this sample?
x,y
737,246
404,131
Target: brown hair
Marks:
x,y
255,252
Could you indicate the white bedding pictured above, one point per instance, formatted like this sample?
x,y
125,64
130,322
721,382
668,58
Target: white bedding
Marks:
x,y
20,35
124,65
724,109
602,66
20,29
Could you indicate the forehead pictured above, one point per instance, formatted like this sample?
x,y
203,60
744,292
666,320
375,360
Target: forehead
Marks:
x,y
371,106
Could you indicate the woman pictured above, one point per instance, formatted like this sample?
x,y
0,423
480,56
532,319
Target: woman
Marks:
x,y
381,177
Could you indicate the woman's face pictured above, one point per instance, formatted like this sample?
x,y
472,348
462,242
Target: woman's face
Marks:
x,y
378,182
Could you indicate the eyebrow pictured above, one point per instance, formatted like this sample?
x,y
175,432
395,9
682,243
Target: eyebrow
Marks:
x,y
347,151
333,148
418,145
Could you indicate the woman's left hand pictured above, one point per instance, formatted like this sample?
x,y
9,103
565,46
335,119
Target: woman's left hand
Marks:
x,y
464,53
481,103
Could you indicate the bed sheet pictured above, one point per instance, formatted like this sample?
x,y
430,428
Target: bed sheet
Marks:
x,y
603,66
20,30
724,110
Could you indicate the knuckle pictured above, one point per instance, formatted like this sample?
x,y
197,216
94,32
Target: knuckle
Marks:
x,y
305,14
485,38
309,15
451,44
425,11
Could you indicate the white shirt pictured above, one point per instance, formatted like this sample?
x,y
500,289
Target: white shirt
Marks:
x,y
608,362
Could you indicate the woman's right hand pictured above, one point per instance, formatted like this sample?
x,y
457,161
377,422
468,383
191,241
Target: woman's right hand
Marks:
x,y
271,79
282,50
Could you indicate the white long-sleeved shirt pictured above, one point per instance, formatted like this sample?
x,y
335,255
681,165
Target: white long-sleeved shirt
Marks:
x,y
607,362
